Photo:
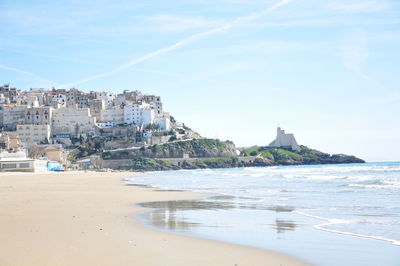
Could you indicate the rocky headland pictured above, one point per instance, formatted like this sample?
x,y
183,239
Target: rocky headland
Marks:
x,y
213,153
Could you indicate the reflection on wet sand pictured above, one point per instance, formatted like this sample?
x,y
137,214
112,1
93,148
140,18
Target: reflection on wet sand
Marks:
x,y
167,190
137,185
280,208
281,226
171,214
165,216
181,205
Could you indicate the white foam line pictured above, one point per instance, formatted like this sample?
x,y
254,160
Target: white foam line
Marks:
x,y
338,221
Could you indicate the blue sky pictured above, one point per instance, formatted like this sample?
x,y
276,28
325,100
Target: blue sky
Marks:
x,y
327,71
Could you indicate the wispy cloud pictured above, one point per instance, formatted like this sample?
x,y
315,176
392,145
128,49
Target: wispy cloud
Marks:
x,y
174,23
75,60
237,22
371,6
57,57
355,50
34,76
388,99
33,21
329,21
355,54
274,47
63,17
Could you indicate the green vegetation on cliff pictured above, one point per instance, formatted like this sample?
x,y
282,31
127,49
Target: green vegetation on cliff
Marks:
x,y
212,153
196,148
152,164
146,164
281,156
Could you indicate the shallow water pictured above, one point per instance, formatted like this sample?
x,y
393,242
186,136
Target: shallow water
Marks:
x,y
347,214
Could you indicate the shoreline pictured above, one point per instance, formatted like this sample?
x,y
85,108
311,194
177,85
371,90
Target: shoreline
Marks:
x,y
89,218
162,168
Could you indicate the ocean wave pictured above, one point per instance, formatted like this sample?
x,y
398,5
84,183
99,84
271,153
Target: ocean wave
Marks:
x,y
325,177
330,222
387,186
362,168
362,177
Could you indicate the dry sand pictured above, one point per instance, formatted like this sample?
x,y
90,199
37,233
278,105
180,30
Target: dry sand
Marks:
x,y
78,218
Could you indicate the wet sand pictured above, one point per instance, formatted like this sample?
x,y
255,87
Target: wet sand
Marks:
x,y
78,218
167,215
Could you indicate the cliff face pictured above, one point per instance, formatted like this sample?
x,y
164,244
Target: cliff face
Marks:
x,y
279,156
209,153
199,148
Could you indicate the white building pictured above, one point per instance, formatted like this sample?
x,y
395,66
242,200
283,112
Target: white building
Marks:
x,y
130,96
285,140
105,124
73,121
151,98
22,165
55,98
12,94
155,103
107,97
11,115
113,115
3,99
96,106
133,113
147,117
31,101
18,162
157,107
39,115
163,123
120,100
34,133
79,99
39,94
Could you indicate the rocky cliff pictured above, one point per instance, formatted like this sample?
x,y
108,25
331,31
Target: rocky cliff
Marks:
x,y
210,153
199,148
280,156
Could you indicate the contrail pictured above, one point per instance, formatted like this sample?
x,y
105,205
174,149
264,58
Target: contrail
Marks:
x,y
238,21
56,57
69,59
28,74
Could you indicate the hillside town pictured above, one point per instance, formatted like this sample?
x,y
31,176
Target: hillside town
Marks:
x,y
59,129
48,124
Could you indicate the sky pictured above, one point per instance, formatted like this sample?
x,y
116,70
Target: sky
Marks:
x,y
327,71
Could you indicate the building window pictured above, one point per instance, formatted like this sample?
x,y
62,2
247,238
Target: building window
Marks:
x,y
24,165
9,165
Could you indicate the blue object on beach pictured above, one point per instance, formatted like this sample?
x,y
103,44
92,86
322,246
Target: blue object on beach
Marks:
x,y
54,166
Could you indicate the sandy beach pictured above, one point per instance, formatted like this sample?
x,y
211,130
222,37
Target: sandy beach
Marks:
x,y
78,218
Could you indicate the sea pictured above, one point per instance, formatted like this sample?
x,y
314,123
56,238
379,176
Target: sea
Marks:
x,y
347,214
